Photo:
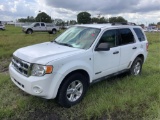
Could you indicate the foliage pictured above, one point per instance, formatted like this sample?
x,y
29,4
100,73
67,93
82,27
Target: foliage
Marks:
x,y
84,18
72,22
99,20
43,17
117,20
28,19
152,24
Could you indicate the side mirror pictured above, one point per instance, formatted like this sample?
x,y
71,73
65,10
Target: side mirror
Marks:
x,y
103,47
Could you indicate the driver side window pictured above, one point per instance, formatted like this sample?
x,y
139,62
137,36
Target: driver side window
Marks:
x,y
109,37
37,25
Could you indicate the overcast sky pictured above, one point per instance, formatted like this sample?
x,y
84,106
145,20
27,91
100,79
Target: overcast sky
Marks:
x,y
139,11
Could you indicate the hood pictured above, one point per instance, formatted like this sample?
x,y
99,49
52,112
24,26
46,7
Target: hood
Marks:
x,y
27,26
45,52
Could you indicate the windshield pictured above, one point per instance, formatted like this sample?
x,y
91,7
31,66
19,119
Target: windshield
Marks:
x,y
78,37
32,24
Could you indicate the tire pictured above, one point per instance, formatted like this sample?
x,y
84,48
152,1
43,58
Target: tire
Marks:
x,y
29,31
136,67
76,85
54,31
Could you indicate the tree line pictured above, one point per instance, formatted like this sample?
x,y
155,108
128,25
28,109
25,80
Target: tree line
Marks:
x,y
82,18
85,18
43,17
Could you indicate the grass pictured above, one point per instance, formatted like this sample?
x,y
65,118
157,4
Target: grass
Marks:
x,y
119,98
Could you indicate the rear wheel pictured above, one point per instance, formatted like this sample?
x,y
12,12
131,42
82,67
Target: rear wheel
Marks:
x,y
136,67
53,31
72,90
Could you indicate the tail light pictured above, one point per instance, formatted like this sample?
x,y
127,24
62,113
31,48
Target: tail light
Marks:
x,y
147,45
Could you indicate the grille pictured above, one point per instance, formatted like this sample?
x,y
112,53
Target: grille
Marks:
x,y
21,66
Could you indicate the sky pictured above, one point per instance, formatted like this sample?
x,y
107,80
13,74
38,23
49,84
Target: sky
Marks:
x,y
138,11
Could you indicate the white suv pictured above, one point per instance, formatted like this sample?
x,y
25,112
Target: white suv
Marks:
x,y
65,67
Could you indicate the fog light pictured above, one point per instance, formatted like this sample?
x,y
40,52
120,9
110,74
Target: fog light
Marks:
x,y
37,89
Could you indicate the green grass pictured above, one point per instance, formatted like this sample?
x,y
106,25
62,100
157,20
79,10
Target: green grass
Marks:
x,y
119,98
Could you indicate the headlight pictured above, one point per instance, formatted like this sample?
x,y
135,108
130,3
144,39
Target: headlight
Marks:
x,y
40,70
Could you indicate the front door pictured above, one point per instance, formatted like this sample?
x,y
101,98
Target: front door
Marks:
x,y
36,27
107,62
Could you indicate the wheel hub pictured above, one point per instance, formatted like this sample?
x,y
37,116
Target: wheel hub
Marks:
x,y
74,91
137,68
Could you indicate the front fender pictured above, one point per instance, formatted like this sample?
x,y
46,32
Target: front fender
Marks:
x,y
64,70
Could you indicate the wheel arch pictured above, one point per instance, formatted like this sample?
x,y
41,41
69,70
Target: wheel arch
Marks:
x,y
83,72
140,55
54,29
29,29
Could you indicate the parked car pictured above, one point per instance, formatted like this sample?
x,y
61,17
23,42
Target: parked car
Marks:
x,y
40,27
2,27
84,54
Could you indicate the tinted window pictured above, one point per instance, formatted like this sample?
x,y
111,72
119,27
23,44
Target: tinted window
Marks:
x,y
126,36
42,24
139,34
109,37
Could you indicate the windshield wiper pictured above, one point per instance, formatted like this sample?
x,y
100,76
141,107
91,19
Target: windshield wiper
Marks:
x,y
65,44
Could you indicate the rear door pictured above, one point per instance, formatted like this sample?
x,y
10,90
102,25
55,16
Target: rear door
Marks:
x,y
43,27
128,47
142,40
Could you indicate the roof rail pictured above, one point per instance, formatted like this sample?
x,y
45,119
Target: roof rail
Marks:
x,y
123,23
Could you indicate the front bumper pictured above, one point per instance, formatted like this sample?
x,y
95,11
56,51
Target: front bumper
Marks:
x,y
2,28
37,86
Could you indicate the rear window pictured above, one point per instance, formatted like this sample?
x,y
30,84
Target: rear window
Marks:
x,y
126,36
42,24
139,34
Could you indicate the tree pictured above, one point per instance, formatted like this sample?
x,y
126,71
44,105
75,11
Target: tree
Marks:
x,y
103,20
158,23
95,20
43,17
59,22
117,19
152,24
72,22
84,18
28,19
99,20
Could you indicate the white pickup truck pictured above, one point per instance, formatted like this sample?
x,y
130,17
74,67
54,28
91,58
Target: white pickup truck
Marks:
x,y
2,27
40,27
84,54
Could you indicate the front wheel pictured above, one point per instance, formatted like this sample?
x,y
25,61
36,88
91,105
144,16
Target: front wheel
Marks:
x,y
136,67
29,31
72,90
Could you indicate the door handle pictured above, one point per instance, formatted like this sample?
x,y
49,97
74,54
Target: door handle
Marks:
x,y
116,52
134,48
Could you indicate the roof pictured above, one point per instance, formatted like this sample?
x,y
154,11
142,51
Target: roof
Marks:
x,y
95,25
103,26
